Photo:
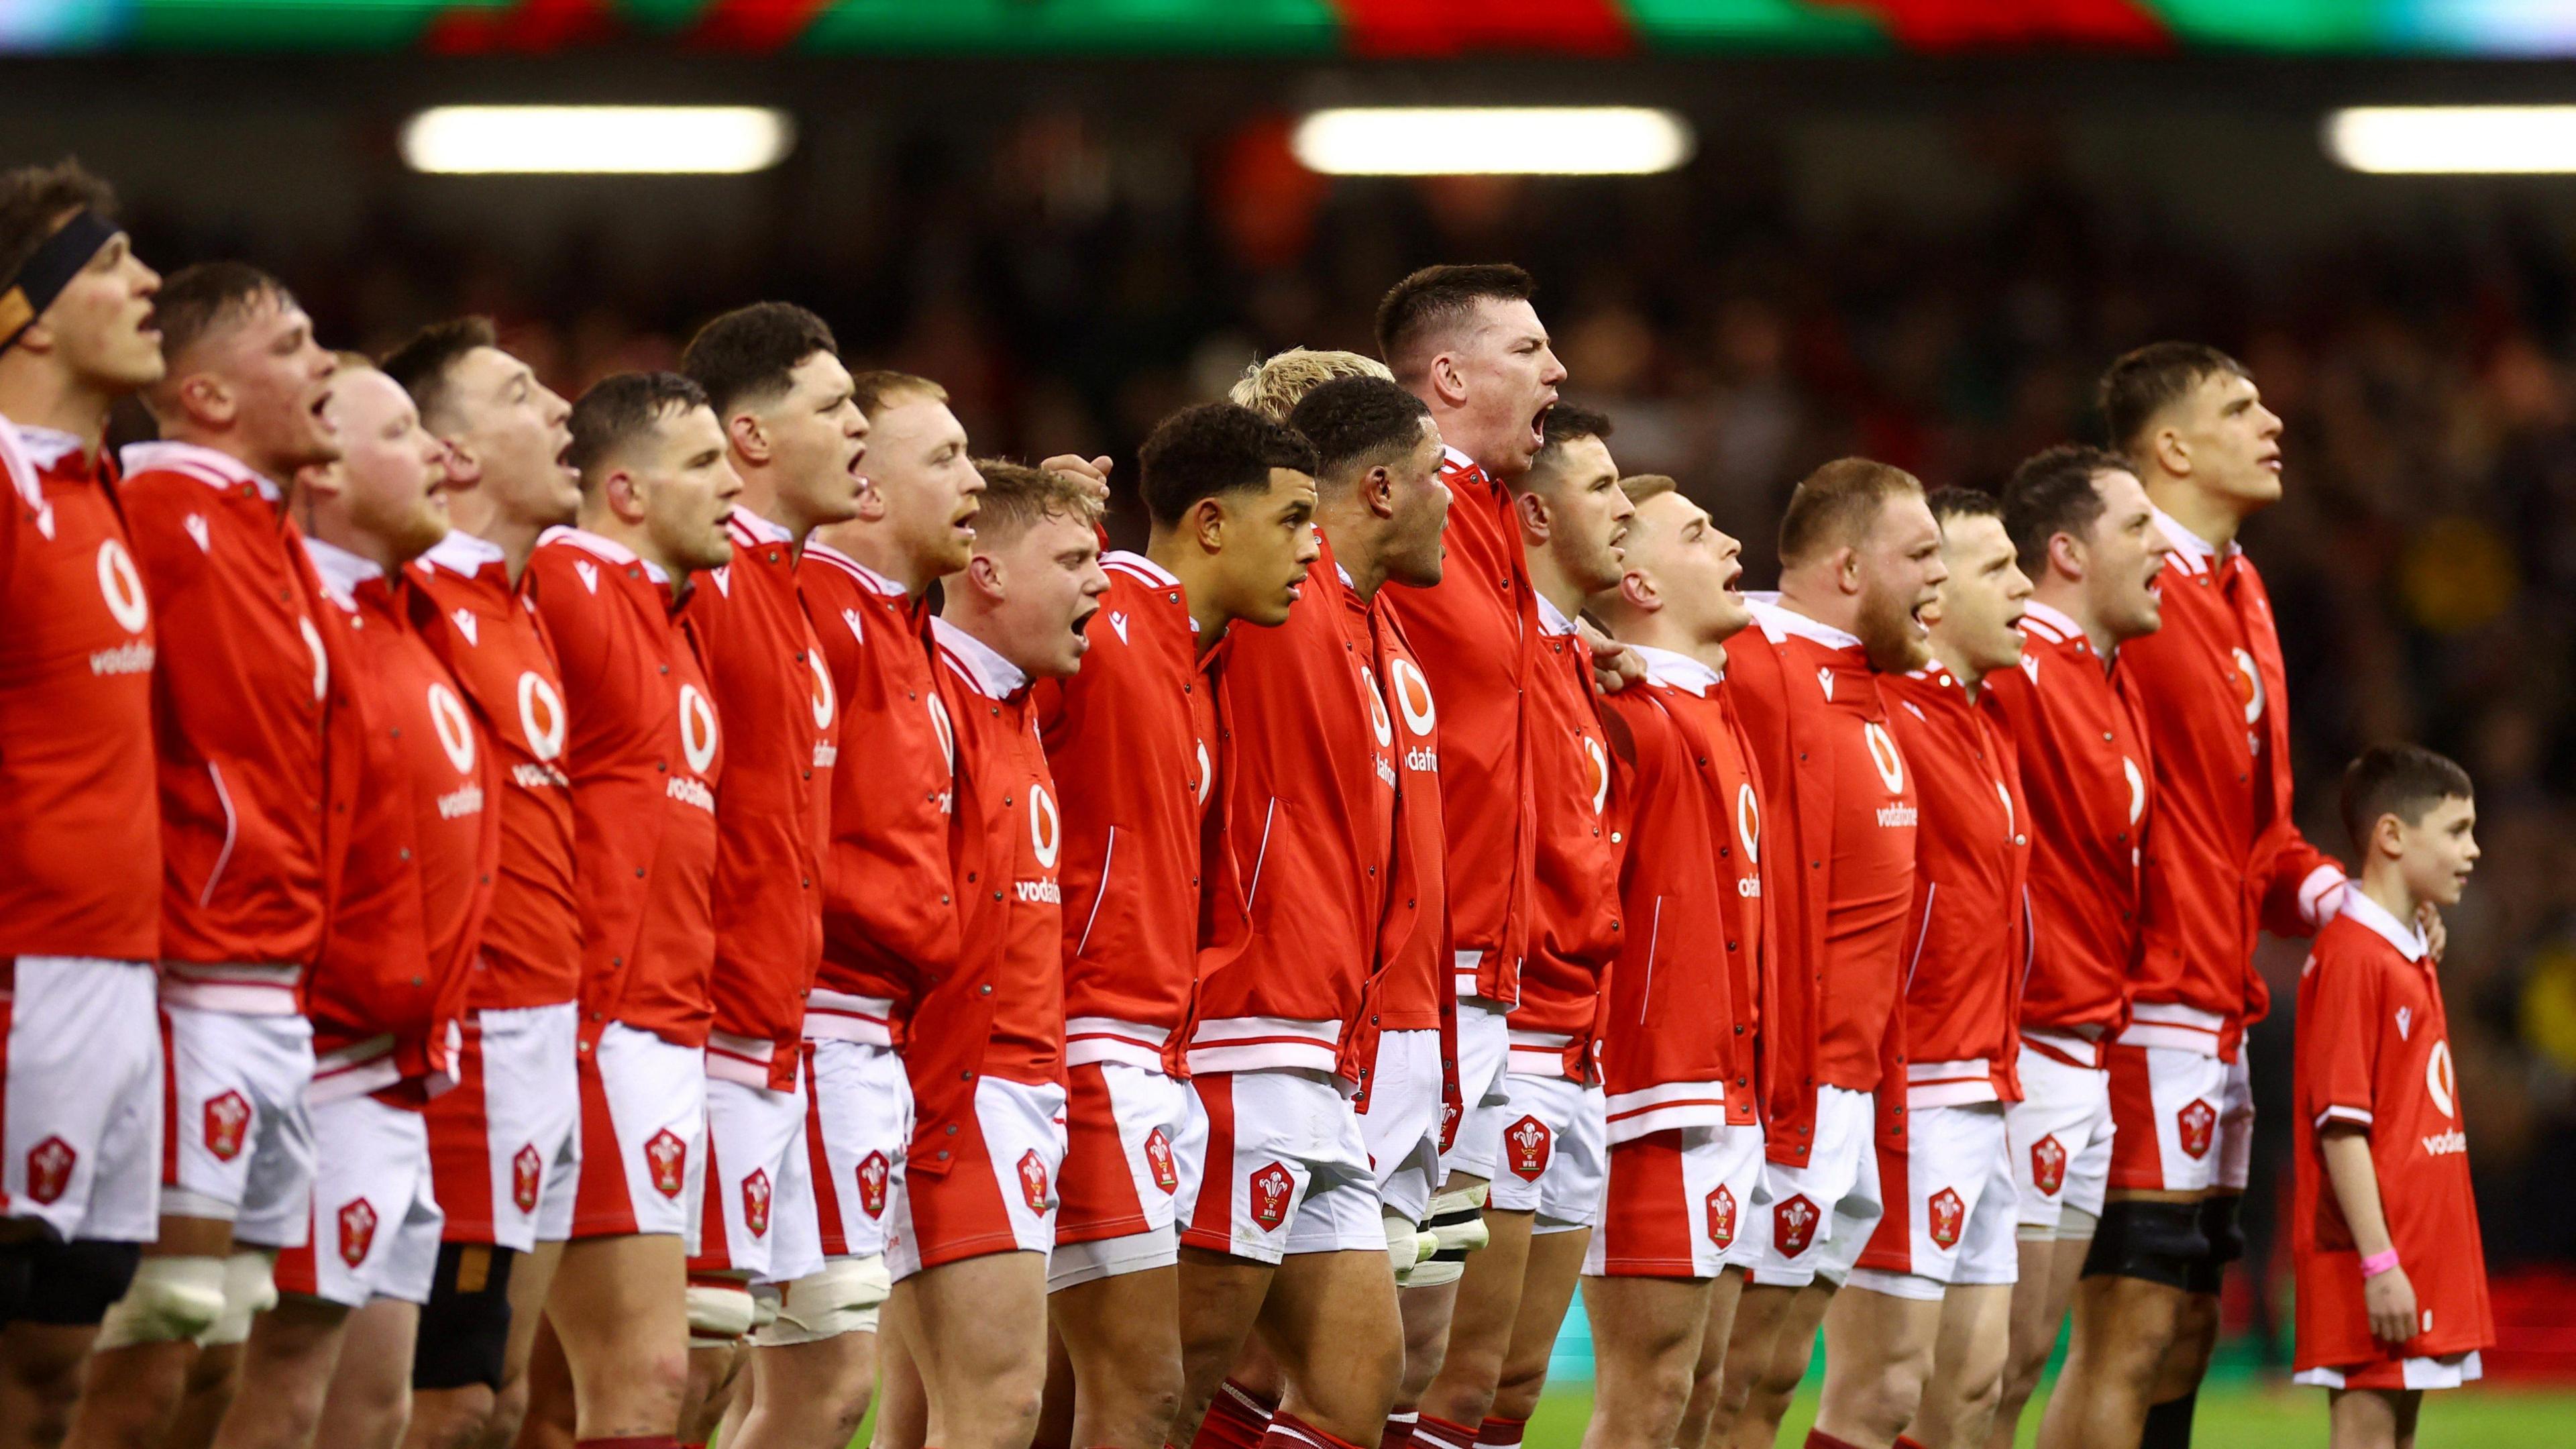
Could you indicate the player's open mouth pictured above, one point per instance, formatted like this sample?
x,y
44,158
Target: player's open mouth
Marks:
x,y
1538,423
858,455
1082,621
321,416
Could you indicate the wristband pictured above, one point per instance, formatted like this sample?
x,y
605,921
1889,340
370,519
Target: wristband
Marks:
x,y
2378,1263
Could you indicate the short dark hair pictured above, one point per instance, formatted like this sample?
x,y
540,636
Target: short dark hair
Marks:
x,y
1566,423
36,200
1211,449
1357,423
878,387
749,354
2056,490
1954,501
1436,298
196,302
1836,506
622,408
422,364
1017,497
2142,383
2400,780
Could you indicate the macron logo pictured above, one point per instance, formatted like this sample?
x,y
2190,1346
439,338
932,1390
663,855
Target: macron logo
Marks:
x,y
1825,681
724,580
851,618
1118,622
589,574
196,526
467,625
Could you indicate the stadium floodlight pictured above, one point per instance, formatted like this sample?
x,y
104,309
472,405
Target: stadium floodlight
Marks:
x,y
2454,140
1492,140
623,140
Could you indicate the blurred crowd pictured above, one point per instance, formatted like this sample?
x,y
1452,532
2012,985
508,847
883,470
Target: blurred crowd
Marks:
x,y
1069,291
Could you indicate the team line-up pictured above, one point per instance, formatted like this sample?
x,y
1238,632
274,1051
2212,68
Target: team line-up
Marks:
x,y
709,907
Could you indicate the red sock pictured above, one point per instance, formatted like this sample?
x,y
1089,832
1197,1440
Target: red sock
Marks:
x,y
1236,1419
1819,1439
1287,1431
1501,1433
1433,1432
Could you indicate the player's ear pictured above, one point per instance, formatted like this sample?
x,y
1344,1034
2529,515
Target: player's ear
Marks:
x,y
2171,452
207,400
985,574
1207,524
1378,488
464,470
1531,508
1447,381
748,438
624,493
2066,555
1847,569
2388,835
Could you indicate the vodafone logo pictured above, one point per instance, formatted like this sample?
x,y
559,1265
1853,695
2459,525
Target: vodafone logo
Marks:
x,y
2249,686
455,731
1600,759
1883,755
2137,789
122,586
1207,774
1412,696
1748,822
2438,1081
1046,829
697,729
321,661
1378,719
823,698
541,715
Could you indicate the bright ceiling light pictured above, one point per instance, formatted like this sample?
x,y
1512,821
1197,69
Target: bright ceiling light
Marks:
x,y
1492,140
2454,140
628,140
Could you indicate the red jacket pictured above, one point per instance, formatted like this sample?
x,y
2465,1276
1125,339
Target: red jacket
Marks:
x,y
389,994
2085,770
1415,986
889,900
1000,1012
1122,740
773,816
1677,1047
1306,760
80,844
486,632
645,758
1575,931
1967,945
240,692
1842,811
1478,635
2226,860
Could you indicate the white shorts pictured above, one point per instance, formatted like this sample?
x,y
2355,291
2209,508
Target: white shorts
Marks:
x,y
758,1218
1287,1169
1546,1150
505,1142
2166,1102
1951,1206
240,1148
1675,1202
2450,1372
1819,1217
643,1133
997,1192
2060,1139
858,1120
1133,1135
81,1096
1484,1048
375,1214
1401,1127
2236,1125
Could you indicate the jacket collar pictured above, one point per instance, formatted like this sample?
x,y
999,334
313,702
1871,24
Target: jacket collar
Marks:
x,y
607,548
216,470
2192,553
2401,934
1780,622
1677,670
341,571
463,554
976,662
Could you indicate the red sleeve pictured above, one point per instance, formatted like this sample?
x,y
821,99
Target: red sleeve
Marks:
x,y
2304,890
569,626
2339,1040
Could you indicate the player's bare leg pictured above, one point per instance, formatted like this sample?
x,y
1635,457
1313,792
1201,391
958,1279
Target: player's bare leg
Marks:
x,y
2049,1268
130,1394
1646,1335
1055,1410
369,1402
1959,1400
2169,1402
2372,1418
548,1421
1547,1291
1772,1378
286,1369
532,1277
1121,1336
1220,1297
1428,1312
40,1382
1878,1353
712,1375
983,1324
903,1406
1480,1326
619,1309
210,1383
1760,1312
806,1395
1708,1378
2123,1329
1330,1321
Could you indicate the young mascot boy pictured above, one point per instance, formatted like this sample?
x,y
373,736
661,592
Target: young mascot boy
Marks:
x,y
2391,1272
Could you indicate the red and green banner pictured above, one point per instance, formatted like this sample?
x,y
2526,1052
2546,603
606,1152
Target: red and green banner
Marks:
x,y
1411,28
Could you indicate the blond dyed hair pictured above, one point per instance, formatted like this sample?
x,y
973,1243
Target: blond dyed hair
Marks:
x,y
1275,385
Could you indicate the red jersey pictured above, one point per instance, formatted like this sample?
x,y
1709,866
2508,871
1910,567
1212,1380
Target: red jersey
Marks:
x,y
773,816
389,993
1000,1012
240,691
1842,809
1125,731
2226,860
2375,1049
1477,632
1574,919
1415,985
889,896
80,844
1306,758
644,756
1969,942
1677,1048
486,632
2085,768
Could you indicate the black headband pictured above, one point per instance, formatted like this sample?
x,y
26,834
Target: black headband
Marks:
x,y
57,260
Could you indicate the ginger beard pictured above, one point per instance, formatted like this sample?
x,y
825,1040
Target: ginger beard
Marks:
x,y
393,473
918,467
1900,572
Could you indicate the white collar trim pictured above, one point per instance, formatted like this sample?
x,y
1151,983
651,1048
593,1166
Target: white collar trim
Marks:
x,y
463,553
875,581
1674,669
1779,621
760,529
341,570
975,660
1551,620
2192,551
45,447
218,470
2407,939
1141,566
607,548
